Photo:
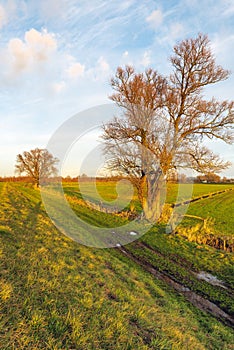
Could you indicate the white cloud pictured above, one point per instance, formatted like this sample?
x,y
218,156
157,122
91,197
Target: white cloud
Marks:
x,y
103,65
19,55
177,30
146,59
101,71
41,43
223,44
35,48
3,17
75,70
155,19
174,31
58,87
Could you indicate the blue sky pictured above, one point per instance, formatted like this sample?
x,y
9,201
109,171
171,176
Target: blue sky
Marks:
x,y
57,58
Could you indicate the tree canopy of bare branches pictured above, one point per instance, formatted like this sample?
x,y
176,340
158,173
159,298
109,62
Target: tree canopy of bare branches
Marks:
x,y
37,163
166,119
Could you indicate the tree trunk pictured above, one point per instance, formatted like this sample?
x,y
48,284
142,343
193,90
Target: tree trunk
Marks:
x,y
36,184
151,187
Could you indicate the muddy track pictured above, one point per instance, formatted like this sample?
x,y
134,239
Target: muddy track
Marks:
x,y
198,301
176,260
189,266
183,263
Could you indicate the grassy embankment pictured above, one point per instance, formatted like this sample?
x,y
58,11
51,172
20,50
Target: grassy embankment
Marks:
x,y
57,294
174,248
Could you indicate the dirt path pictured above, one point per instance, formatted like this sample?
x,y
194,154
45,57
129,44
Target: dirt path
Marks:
x,y
194,298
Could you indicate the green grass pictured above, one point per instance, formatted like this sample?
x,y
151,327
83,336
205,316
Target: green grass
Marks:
x,y
196,189
96,190
56,294
194,256
220,208
106,191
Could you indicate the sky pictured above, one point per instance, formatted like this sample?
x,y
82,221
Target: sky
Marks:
x,y
57,58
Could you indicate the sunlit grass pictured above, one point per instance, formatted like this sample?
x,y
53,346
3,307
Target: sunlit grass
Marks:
x,y
220,208
192,255
106,191
196,189
57,294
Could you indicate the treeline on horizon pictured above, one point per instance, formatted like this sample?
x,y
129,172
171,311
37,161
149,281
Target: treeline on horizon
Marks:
x,y
212,178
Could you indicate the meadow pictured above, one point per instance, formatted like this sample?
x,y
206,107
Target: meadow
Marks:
x,y
57,294
119,193
219,208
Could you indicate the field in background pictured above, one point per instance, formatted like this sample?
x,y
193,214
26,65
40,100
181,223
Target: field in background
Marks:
x,y
220,208
56,294
197,190
106,191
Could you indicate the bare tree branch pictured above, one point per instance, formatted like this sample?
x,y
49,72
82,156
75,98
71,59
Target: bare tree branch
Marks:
x,y
37,163
165,120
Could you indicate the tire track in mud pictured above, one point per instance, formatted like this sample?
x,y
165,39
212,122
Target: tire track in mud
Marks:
x,y
195,299
189,266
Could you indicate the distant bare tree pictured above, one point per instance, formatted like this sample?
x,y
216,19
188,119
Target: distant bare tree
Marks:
x,y
165,120
209,177
37,163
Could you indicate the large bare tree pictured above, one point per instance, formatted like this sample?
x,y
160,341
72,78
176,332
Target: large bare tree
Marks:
x,y
166,119
37,163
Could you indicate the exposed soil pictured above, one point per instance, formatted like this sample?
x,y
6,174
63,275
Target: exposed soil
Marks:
x,y
194,298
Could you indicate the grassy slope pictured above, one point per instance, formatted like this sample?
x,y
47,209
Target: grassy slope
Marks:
x,y
56,294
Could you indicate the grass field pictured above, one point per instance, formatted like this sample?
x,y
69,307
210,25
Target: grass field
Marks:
x,y
107,191
196,189
219,208
57,294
